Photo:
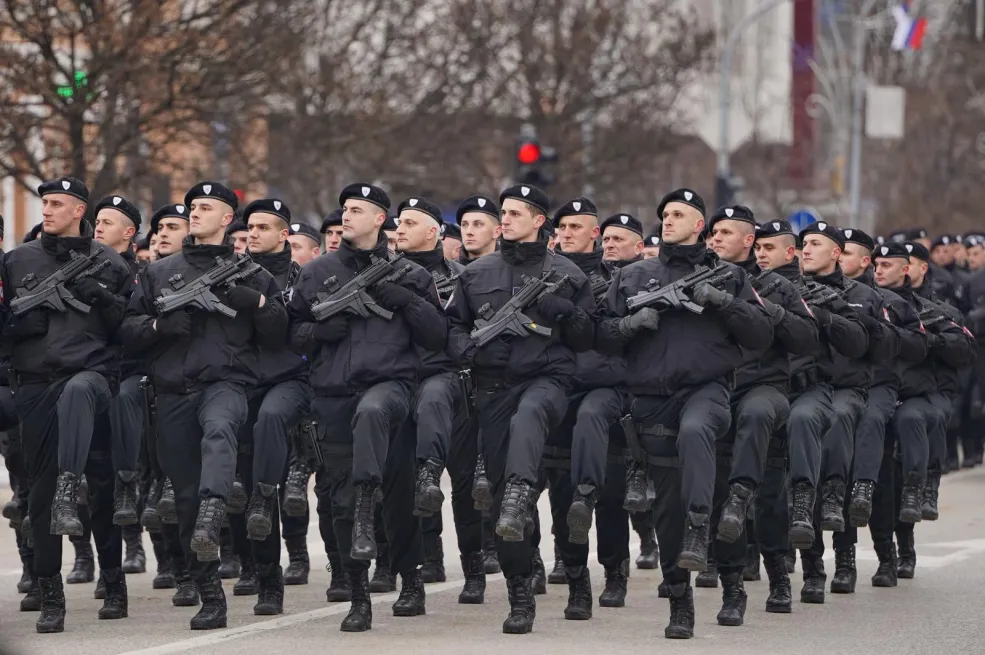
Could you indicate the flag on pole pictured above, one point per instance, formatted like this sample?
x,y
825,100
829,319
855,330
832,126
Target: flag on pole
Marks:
x,y
909,30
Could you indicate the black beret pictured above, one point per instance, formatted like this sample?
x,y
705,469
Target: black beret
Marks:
x,y
892,249
143,244
367,192
306,230
391,223
335,218
853,235
267,206
732,213
70,186
528,194
917,250
579,206
686,196
237,226
212,190
626,221
421,205
653,240
825,229
167,211
775,228
122,205
451,230
916,233
944,240
480,204
973,239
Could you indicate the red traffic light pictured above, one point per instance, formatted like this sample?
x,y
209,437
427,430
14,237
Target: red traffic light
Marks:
x,y
529,153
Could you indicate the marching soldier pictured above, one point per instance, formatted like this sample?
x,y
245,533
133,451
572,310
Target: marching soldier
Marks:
x,y
478,218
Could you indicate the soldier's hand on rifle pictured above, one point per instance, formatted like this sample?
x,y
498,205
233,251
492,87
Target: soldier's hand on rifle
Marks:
x,y
646,319
393,296
495,354
175,324
244,299
775,311
331,331
707,295
553,307
89,291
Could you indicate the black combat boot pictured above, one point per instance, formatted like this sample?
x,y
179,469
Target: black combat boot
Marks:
x,y
733,600
338,589
205,538
270,581
694,554
474,591
260,511
65,507
910,500
636,499
434,562
649,557
779,601
186,594
832,506
733,520
115,603
12,511
663,589
750,573
907,562
360,616
296,489
515,512
814,578
212,614
165,570
125,498
885,575
31,602
248,584
84,569
410,602
299,566
931,491
579,594
229,564
538,579
802,517
24,584
383,581
363,534
136,559
860,509
52,617
708,579
99,593
580,513
616,585
556,576
150,519
791,560
845,575
427,492
481,489
681,624
523,607
166,509
237,497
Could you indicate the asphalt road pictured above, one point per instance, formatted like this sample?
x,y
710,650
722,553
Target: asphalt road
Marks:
x,y
939,611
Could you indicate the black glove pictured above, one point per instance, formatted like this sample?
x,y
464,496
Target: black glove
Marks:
x,y
393,296
822,315
775,311
495,354
553,307
646,319
30,324
175,324
934,340
243,298
92,293
333,330
707,295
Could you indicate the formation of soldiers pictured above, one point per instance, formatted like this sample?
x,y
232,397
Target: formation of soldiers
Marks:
x,y
730,389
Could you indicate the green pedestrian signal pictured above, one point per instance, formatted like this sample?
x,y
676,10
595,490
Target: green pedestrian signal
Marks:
x,y
79,80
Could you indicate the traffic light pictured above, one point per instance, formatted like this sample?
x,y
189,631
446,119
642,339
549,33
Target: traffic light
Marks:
x,y
531,158
79,81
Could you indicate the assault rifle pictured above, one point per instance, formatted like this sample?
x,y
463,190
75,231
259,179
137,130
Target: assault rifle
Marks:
x,y
510,319
763,289
599,286
817,294
444,284
353,296
930,316
676,295
200,293
51,292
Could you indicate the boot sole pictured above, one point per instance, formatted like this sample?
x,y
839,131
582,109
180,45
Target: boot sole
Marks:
x,y
842,590
125,518
430,501
295,506
576,616
205,549
164,584
87,579
186,603
258,528
72,528
678,634
909,516
579,523
522,630
832,525
729,531
410,612
31,608
294,582
779,609
355,628
801,537
113,616
482,497
168,517
363,556
884,585
221,623
702,583
468,600
263,611
812,600
151,520
647,564
509,532
929,515
612,603
338,596
860,512
557,578
134,569
691,562
634,505
731,623
50,630
245,591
